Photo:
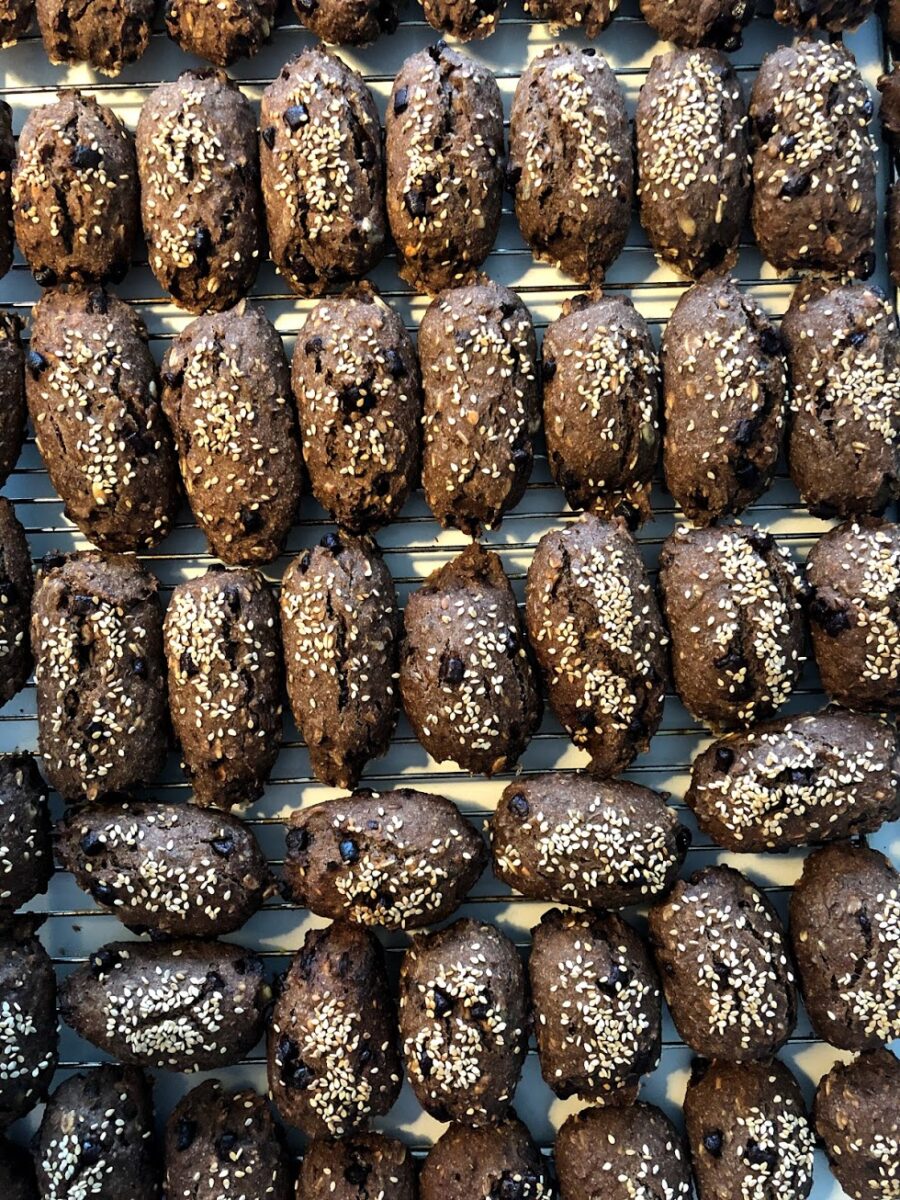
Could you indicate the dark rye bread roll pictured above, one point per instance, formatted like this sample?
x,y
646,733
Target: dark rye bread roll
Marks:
x,y
466,677
591,17
499,1160
570,161
444,147
16,588
360,1167
96,633
693,160
398,859
171,869
26,849
853,573
223,651
797,780
594,843
857,1119
222,32
174,1005
814,204
633,1150
28,1027
717,23
597,1006
322,173
726,972
13,412
732,599
482,409
7,157
464,20
340,623
893,233
845,934
15,20
843,352
348,22
221,1143
748,1132
601,405
93,396
18,1177
227,397
463,1021
595,628
75,192
105,34
332,1042
356,383
725,384
832,15
198,161
96,1138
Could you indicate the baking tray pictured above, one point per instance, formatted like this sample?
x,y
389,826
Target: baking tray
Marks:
x,y
414,545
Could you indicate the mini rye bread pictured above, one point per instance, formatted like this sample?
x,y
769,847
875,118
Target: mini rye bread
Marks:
x,y
96,634
598,637
227,398
15,20
817,777
856,1117
832,15
198,161
179,1006
340,624
718,23
13,412
634,1150
16,589
497,1161
105,34
814,204
222,32
333,1060
226,677
26,850
222,1143
360,1167
478,354
356,383
570,161
18,1178
464,20
75,192
724,962
93,395
748,1132
7,155
466,677
853,573
845,935
172,869
693,160
733,602
463,1021
444,149
348,22
593,843
725,384
395,859
322,173
843,353
597,1006
96,1138
601,405
590,17
28,1026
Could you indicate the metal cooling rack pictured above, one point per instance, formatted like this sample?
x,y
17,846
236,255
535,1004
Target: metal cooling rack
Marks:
x,y
414,546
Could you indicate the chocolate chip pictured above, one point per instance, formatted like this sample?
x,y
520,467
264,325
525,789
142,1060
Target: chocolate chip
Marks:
x,y
223,846
102,892
724,758
331,542
747,473
36,363
172,379
187,665
349,851
548,369
480,1010
251,520
683,840
44,277
858,337
416,203
86,158
225,1145
401,100
357,1174
832,620
297,841
90,1152
518,806
743,431
589,52
139,668
765,125
268,136
435,51
394,362
92,843
295,116
185,1132
866,265
425,1063
98,302
513,177
443,1002
769,340
712,1142
452,671
760,1156
788,144
868,107
795,185
103,961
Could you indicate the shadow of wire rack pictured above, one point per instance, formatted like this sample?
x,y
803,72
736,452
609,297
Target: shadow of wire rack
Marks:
x,y
414,545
